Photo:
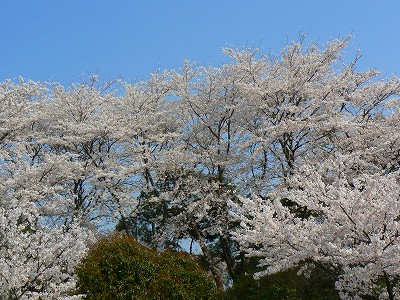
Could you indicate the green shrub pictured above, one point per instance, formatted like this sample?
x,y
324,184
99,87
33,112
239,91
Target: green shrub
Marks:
x,y
119,268
285,285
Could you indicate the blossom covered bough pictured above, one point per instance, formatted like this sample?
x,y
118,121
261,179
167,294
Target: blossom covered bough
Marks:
x,y
348,225
37,254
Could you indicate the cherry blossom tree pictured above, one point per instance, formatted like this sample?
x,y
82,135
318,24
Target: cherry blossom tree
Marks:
x,y
38,254
341,212
281,156
245,127
301,104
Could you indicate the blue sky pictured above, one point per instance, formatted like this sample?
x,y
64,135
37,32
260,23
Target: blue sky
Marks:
x,y
62,40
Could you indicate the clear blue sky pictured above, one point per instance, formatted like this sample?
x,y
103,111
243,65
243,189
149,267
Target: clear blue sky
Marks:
x,y
63,39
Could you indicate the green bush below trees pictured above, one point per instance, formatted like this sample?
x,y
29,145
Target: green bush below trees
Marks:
x,y
120,268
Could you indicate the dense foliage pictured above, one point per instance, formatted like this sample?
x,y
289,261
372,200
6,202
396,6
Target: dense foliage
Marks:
x,y
119,268
290,158
285,285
